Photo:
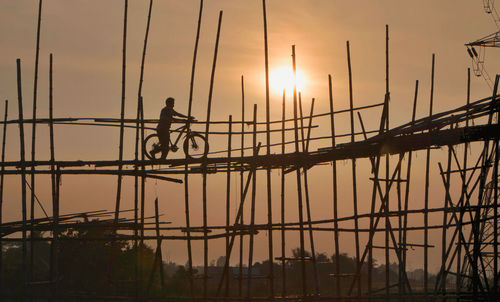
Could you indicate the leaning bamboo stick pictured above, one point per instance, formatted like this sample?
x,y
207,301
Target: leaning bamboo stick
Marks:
x,y
54,187
426,194
122,109
33,138
283,235
335,194
204,190
23,178
228,199
252,212
299,181
353,164
268,170
242,152
4,137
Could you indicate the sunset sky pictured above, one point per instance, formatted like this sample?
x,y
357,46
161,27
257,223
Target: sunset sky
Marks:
x,y
85,38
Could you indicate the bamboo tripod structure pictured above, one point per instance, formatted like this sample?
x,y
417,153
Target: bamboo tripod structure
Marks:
x,y
469,220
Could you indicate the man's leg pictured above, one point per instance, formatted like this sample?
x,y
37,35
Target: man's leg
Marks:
x,y
164,137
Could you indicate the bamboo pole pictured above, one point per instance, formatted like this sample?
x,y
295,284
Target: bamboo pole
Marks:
x,y
387,167
4,142
54,186
407,187
33,140
23,179
283,235
122,110
158,245
252,213
228,199
308,207
242,152
426,196
335,194
463,193
204,191
137,133
268,170
353,165
186,174
299,181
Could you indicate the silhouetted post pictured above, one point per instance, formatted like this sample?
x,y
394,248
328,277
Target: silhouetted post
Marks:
x,y
426,196
444,254
240,270
186,174
299,181
207,127
306,193
407,188
54,185
495,204
335,196
463,194
228,197
283,235
252,208
33,142
122,112
353,166
268,169
4,136
387,175
158,245
23,178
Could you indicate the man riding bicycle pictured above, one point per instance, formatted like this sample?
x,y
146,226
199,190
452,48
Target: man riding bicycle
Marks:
x,y
163,129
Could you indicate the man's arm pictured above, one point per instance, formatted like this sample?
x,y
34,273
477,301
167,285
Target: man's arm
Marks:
x,y
175,113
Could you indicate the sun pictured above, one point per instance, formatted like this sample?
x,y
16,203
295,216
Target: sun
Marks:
x,y
282,78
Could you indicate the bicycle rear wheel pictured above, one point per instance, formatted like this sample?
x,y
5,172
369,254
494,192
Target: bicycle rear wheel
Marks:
x,y
152,147
195,146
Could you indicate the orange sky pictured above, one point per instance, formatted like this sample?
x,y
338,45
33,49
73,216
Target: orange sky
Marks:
x,y
85,38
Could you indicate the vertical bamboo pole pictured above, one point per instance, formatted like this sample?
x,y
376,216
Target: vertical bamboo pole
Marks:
x,y
228,197
54,186
252,213
158,245
242,153
186,174
33,143
353,166
23,178
137,133
268,169
308,206
4,136
136,198
299,181
143,191
283,235
444,254
122,112
335,196
426,196
407,187
495,203
463,195
207,127
387,174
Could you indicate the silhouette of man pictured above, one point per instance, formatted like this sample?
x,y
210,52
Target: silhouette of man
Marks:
x,y
163,129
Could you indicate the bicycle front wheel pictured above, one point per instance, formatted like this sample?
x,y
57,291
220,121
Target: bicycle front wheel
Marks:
x,y
195,146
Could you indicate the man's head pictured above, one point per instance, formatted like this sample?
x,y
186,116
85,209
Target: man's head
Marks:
x,y
170,102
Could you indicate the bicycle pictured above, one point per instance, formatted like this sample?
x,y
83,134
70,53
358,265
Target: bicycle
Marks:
x,y
195,145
